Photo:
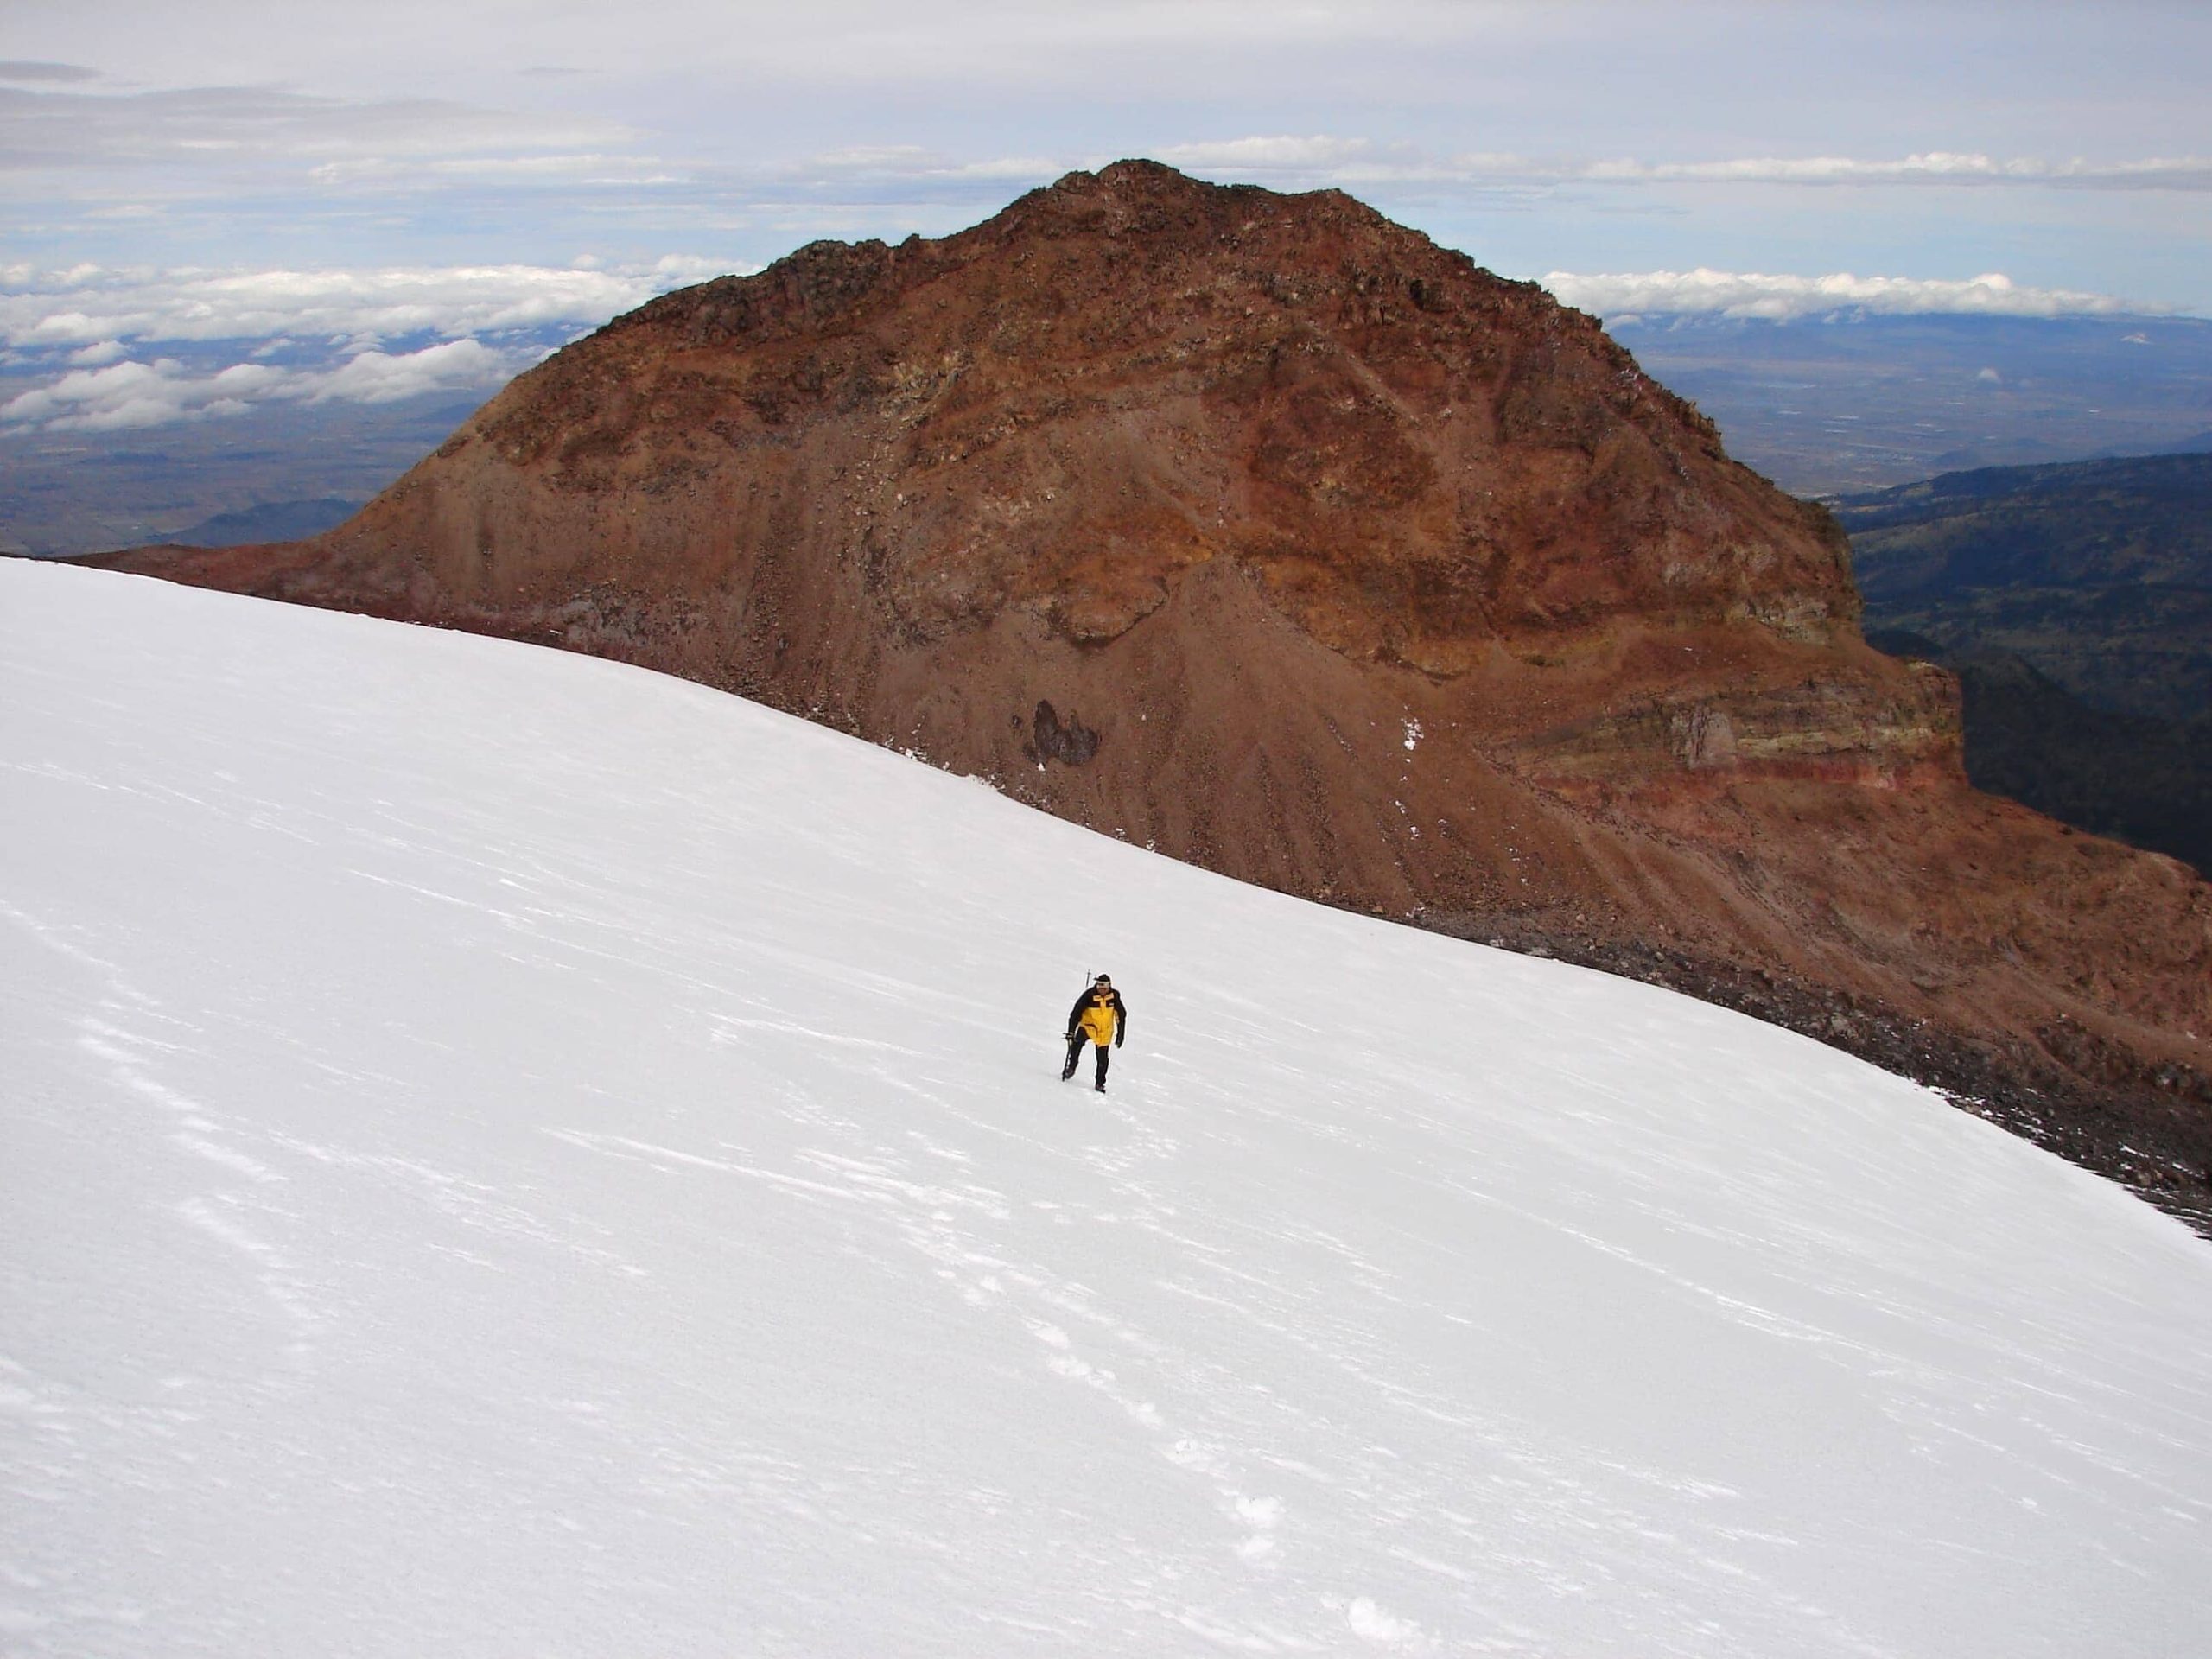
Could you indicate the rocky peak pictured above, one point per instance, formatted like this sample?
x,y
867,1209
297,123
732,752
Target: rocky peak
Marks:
x,y
1419,459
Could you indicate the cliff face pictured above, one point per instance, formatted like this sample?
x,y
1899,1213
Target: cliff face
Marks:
x,y
1264,532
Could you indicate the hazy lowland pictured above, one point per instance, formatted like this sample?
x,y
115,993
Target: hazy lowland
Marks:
x,y
1834,408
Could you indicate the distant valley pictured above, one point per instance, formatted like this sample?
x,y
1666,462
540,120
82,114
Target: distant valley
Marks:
x,y
72,493
1862,402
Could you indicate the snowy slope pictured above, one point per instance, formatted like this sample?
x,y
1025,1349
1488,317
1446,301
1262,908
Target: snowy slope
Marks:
x,y
509,1154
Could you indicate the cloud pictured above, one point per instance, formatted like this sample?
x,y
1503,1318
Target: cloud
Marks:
x,y
560,171
330,329
89,304
374,378
232,128
1321,158
1279,154
1622,297
162,392
19,70
126,395
1317,160
905,163
1934,166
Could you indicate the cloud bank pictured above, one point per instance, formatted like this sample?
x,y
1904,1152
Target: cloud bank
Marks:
x,y
489,323
1619,297
91,304
157,142
1321,157
35,73
133,394
203,129
1933,167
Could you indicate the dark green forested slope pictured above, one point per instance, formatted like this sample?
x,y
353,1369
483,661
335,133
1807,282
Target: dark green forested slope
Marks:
x,y
2075,602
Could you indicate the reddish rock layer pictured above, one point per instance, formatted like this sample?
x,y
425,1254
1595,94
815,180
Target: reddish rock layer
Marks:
x,y
1264,532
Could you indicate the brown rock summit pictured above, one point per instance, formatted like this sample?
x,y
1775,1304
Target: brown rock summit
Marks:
x,y
1262,531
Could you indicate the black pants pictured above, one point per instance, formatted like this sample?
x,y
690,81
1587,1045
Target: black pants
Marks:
x,y
1075,1054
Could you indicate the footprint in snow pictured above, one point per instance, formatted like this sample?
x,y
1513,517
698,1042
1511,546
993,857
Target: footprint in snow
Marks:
x,y
1260,1514
1371,1624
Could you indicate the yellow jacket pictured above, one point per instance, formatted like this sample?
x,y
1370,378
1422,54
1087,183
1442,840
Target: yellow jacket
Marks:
x,y
1098,1017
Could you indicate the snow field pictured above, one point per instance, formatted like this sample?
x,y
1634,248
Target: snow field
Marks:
x,y
504,1154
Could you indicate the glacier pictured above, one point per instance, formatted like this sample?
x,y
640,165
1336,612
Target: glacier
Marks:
x,y
503,1153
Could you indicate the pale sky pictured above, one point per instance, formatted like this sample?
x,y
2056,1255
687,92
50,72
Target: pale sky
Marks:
x,y
1768,157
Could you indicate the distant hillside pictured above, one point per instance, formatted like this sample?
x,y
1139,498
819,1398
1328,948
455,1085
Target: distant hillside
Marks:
x,y
2098,573
2144,781
2074,603
268,521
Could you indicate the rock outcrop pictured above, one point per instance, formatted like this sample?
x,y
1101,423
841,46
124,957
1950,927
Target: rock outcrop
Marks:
x,y
1263,531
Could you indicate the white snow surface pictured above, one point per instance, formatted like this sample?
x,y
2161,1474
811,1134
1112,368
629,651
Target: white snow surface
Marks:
x,y
510,1154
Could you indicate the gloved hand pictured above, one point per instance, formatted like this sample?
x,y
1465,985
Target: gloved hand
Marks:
x,y
1117,1042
